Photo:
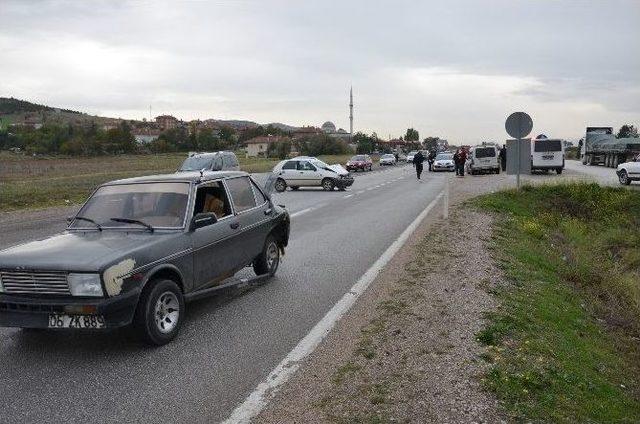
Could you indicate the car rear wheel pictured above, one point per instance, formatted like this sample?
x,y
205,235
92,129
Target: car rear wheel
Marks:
x,y
559,171
159,313
623,177
280,185
328,184
269,259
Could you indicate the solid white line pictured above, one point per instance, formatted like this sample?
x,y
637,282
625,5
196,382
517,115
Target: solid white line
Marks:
x,y
303,211
258,399
360,192
348,195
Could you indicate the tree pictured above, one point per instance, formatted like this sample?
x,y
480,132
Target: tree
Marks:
x,y
430,143
627,131
412,135
279,149
364,143
321,144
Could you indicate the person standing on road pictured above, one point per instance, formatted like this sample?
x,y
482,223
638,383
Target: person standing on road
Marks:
x,y
503,158
418,159
432,158
459,159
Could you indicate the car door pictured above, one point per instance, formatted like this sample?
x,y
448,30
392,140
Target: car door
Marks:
x,y
289,172
212,243
253,215
308,174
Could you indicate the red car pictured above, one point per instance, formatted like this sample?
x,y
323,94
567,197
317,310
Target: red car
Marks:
x,y
360,162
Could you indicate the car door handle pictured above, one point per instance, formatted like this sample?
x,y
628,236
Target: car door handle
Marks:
x,y
234,225
267,211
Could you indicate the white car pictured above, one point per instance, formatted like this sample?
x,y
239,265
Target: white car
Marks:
x,y
483,159
629,171
443,162
305,171
410,156
387,159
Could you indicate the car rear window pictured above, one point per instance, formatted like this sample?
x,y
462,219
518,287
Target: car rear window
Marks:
x,y
485,152
196,163
547,146
241,193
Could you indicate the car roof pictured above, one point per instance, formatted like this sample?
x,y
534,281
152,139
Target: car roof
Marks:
x,y
190,177
205,154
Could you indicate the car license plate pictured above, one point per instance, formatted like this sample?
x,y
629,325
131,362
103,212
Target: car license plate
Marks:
x,y
547,157
76,321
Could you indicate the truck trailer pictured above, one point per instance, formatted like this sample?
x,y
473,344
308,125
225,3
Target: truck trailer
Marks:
x,y
601,147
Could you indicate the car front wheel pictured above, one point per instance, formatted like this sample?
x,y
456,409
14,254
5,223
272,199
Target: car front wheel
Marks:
x,y
623,177
328,184
281,185
269,259
159,313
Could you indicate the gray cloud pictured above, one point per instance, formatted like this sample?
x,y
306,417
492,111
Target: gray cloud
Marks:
x,y
453,68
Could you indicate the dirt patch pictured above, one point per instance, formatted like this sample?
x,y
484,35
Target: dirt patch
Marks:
x,y
407,351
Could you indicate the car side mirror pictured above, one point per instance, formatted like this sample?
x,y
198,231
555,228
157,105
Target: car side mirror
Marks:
x,y
202,220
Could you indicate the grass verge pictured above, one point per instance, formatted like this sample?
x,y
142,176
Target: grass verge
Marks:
x,y
35,183
564,342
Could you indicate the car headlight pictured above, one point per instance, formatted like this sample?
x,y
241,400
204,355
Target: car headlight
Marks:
x,y
85,285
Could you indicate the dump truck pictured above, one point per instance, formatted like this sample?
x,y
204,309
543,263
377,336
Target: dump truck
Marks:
x,y
601,147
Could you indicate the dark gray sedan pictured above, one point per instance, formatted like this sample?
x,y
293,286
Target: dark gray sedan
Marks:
x,y
138,249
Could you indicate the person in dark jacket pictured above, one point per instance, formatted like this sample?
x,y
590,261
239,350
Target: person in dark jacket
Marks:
x,y
432,159
459,159
503,158
418,159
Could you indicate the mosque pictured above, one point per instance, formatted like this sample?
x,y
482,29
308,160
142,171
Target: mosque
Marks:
x,y
329,127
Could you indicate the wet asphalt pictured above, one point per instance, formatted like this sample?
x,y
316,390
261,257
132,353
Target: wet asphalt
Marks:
x,y
230,342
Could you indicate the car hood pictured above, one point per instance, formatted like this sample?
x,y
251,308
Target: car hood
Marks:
x,y
444,162
91,251
338,169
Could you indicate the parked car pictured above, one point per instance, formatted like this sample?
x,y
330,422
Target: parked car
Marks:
x,y
307,171
360,162
483,159
138,249
443,162
387,159
629,171
410,156
214,161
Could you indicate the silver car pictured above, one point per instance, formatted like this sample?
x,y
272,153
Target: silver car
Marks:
x,y
305,171
444,162
387,159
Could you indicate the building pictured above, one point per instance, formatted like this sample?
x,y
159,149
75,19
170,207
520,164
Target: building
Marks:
x,y
258,146
167,122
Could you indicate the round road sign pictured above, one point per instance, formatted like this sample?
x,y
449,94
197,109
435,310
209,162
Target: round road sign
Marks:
x,y
519,125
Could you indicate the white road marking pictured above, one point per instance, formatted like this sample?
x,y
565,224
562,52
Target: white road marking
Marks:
x,y
303,211
360,192
258,399
348,195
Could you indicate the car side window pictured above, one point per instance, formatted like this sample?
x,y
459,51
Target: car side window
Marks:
x,y
260,198
230,161
212,198
290,165
241,193
305,166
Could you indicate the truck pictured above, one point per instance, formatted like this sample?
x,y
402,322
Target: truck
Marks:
x,y
601,147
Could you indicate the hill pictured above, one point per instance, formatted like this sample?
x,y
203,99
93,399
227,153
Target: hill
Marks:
x,y
11,106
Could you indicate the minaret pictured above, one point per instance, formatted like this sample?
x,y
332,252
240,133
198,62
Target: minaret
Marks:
x,y
350,113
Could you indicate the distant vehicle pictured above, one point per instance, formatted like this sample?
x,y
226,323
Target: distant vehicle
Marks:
x,y
138,249
601,147
387,160
410,156
483,159
547,154
360,162
443,162
213,161
629,171
310,172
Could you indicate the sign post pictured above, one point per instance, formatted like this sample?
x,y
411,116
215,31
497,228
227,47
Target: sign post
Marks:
x,y
518,126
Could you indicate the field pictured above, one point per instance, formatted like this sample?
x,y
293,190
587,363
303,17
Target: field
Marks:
x,y
27,182
564,342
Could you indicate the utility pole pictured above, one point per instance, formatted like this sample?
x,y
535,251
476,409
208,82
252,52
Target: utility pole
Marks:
x,y
351,114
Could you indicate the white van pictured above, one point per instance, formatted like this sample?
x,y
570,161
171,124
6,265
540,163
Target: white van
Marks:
x,y
483,159
547,154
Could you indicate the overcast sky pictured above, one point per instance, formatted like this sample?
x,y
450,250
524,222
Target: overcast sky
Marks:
x,y
453,69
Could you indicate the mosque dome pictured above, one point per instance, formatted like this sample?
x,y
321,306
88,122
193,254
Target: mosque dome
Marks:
x,y
328,127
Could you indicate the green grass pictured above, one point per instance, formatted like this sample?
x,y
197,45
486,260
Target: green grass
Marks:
x,y
35,183
563,343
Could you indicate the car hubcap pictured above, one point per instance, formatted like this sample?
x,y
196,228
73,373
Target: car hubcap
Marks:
x,y
280,185
623,177
327,185
167,312
273,256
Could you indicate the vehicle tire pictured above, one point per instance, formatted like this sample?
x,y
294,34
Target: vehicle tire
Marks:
x,y
559,171
159,313
280,185
269,259
328,184
623,177
294,188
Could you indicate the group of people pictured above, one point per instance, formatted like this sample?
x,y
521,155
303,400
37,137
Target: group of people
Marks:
x,y
459,160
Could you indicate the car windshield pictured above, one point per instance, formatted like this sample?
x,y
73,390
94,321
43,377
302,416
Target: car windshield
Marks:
x,y
160,205
485,152
388,157
358,158
318,163
444,156
196,163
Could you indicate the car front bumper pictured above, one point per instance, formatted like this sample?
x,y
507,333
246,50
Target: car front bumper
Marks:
x,y
344,182
443,167
33,312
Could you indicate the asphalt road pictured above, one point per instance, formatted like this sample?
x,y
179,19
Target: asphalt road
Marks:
x,y
229,343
